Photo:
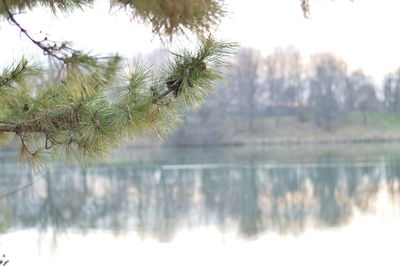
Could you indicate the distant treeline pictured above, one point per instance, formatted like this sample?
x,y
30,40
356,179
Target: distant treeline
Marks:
x,y
318,90
283,84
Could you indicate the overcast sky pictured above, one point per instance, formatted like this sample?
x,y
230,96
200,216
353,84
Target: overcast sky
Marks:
x,y
363,32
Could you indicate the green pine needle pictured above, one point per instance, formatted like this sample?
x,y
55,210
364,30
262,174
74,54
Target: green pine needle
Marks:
x,y
92,110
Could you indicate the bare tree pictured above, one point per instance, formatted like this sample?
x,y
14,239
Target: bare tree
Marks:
x,y
360,94
282,81
392,91
246,82
327,84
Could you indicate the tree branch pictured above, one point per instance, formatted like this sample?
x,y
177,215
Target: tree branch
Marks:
x,y
14,129
18,128
164,94
9,123
46,49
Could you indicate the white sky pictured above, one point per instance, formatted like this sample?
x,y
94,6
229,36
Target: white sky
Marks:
x,y
363,32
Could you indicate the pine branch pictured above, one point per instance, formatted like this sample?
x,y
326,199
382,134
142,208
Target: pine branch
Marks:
x,y
18,74
54,5
90,111
168,18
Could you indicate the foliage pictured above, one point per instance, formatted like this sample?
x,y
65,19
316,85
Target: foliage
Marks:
x,y
96,103
90,110
3,261
169,17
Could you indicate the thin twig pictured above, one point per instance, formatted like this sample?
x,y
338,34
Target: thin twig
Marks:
x,y
14,129
24,145
47,146
6,122
164,94
40,44
18,189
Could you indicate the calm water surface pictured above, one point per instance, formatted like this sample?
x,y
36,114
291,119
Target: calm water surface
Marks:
x,y
220,206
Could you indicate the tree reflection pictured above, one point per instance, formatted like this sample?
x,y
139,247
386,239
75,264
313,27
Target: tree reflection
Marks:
x,y
157,202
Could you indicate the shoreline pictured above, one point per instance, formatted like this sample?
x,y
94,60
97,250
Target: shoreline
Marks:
x,y
272,142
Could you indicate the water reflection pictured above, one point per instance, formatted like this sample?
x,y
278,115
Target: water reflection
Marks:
x,y
158,201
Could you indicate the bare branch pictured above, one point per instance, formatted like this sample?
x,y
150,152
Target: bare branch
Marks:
x,y
47,49
164,94
6,122
14,129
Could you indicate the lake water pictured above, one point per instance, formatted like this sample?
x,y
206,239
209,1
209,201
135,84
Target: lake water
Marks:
x,y
220,206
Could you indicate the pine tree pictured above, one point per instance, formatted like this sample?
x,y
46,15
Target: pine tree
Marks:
x,y
94,105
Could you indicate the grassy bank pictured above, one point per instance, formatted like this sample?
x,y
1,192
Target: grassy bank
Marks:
x,y
287,130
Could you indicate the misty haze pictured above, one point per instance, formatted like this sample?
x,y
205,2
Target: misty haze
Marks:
x,y
156,132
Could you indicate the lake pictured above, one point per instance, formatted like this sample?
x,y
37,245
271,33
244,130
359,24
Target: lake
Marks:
x,y
313,205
